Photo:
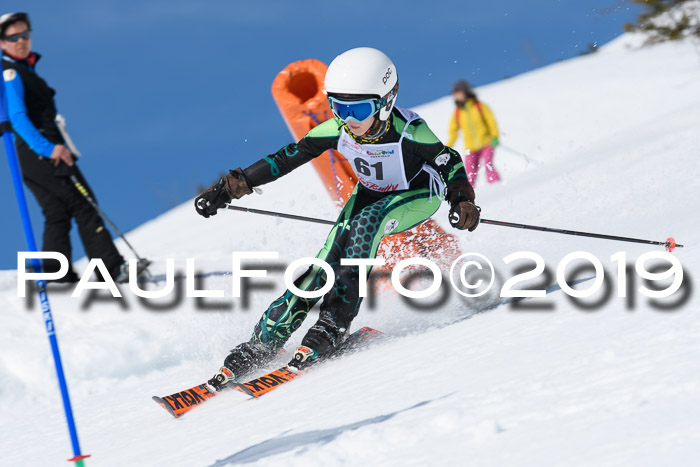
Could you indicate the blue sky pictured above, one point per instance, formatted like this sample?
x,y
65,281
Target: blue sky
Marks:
x,y
162,96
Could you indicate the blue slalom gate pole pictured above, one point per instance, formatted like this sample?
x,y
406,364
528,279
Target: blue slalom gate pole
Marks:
x,y
5,128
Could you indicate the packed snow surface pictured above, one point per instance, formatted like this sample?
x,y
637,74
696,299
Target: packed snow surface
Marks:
x,y
603,143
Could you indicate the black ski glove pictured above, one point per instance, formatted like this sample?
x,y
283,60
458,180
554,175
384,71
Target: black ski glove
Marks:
x,y
464,214
233,185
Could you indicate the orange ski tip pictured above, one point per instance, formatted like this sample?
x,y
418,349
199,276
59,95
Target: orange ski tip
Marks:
x,y
160,401
368,330
182,402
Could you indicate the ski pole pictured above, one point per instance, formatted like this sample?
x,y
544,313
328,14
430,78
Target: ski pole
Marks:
x,y
6,131
518,153
281,214
83,191
670,243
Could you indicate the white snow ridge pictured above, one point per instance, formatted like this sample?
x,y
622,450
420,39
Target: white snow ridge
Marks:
x,y
612,141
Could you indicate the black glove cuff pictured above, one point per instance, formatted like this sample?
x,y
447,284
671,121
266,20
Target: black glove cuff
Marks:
x,y
459,189
240,175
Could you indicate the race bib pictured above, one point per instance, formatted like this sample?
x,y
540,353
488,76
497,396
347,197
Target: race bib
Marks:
x,y
378,167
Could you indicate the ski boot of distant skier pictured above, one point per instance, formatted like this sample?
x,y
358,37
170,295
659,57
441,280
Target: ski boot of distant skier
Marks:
x,y
141,269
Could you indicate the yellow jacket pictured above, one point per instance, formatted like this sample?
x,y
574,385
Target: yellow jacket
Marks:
x,y
478,126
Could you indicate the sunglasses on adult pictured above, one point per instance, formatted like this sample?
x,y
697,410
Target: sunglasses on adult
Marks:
x,y
16,37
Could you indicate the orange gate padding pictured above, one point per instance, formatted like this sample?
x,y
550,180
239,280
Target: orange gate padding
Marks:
x,y
298,92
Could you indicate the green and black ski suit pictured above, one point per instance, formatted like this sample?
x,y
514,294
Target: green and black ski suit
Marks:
x,y
402,178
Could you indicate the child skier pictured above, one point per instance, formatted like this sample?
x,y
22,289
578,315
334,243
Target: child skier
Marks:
x,y
402,168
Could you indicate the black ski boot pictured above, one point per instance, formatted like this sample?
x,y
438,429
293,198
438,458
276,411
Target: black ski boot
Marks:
x,y
244,358
322,339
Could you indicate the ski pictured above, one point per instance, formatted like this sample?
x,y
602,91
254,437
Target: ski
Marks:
x,y
180,403
264,384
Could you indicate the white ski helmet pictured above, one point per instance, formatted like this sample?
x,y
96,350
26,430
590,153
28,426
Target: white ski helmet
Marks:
x,y
364,71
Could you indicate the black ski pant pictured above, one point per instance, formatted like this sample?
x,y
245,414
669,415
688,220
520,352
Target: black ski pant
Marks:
x,y
61,202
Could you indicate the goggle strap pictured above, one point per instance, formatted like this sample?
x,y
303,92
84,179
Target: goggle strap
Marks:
x,y
388,97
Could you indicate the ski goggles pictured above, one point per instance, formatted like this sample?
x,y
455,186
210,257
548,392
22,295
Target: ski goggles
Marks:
x,y
16,37
355,110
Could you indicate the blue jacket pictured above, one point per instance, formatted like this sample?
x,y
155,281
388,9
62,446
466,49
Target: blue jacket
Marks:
x,y
34,126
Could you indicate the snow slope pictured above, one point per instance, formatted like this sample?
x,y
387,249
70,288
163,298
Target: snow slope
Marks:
x,y
612,142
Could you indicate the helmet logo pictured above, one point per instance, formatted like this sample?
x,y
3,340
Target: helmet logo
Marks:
x,y
387,75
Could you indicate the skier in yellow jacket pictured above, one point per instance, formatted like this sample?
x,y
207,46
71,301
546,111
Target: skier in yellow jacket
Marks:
x,y
479,131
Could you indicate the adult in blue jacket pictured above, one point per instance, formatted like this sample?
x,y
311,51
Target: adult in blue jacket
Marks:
x,y
46,162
